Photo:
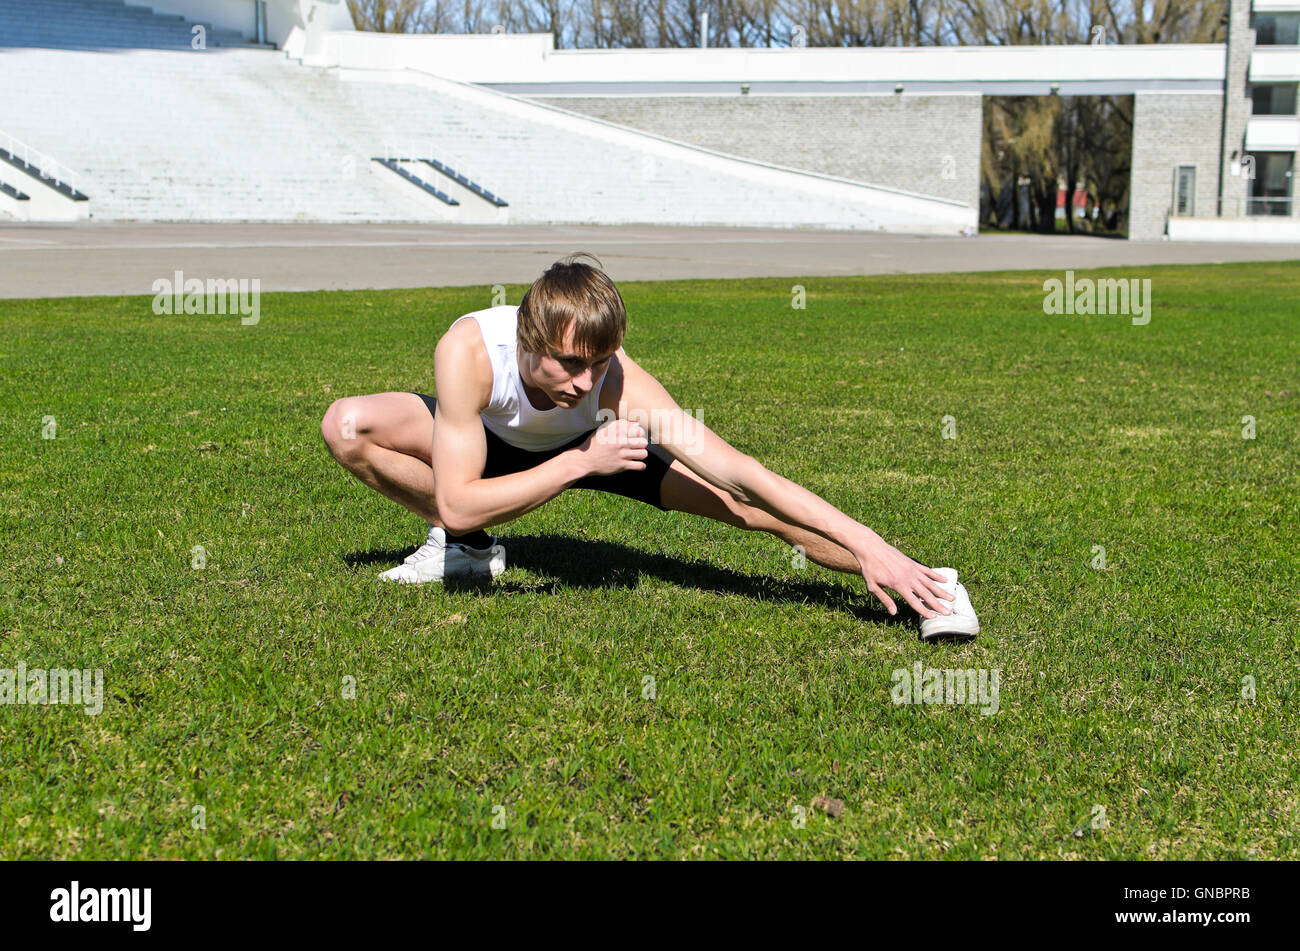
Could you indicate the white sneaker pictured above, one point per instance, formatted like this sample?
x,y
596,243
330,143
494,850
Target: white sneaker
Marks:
x,y
961,624
436,560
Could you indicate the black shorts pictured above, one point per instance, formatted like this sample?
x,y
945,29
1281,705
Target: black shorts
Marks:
x,y
640,484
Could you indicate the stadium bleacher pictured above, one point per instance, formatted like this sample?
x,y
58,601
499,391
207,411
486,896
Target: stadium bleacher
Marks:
x,y
101,24
155,131
235,135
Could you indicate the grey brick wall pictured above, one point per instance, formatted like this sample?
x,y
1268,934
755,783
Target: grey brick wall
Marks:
x,y
928,144
1241,43
1172,129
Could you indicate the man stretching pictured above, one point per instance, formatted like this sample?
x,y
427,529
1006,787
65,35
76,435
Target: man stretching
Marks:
x,y
539,398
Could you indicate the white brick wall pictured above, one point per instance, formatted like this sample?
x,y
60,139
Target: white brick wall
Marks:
x,y
869,139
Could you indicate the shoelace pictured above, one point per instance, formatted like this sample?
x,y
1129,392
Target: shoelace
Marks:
x,y
429,548
424,551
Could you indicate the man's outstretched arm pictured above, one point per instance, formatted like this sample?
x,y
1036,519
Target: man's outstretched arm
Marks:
x,y
645,401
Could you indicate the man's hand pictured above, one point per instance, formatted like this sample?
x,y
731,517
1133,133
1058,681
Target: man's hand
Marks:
x,y
884,566
616,446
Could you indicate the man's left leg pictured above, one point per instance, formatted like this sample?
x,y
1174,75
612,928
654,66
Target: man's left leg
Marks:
x,y
683,491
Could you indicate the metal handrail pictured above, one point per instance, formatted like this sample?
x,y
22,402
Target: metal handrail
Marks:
x,y
50,168
1248,206
1268,206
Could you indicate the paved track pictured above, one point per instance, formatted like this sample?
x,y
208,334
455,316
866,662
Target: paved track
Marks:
x,y
115,259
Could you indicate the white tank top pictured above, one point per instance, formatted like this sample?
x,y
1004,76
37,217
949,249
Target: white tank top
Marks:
x,y
509,414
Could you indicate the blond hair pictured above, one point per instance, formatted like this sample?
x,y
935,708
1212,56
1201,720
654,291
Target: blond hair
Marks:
x,y
570,291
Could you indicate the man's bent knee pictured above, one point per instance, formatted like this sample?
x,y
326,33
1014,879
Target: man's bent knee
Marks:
x,y
341,428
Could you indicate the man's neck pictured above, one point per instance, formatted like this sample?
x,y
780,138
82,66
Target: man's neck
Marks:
x,y
535,394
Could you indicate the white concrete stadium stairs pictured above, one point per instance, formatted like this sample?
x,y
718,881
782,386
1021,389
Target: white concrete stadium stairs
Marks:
x,y
249,135
101,24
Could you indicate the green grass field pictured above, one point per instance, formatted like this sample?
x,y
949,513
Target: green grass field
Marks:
x,y
1124,726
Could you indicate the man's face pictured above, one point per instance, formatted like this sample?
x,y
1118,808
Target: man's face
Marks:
x,y
565,376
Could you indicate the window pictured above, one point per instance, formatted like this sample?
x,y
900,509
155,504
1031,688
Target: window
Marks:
x,y
1277,29
1273,100
1270,191
1185,191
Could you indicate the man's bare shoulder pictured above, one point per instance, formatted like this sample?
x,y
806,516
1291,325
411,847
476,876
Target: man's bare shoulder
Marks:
x,y
462,368
629,386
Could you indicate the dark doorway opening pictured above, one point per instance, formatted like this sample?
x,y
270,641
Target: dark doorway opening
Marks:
x,y
1056,164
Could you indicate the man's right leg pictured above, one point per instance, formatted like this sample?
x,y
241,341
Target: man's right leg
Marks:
x,y
386,441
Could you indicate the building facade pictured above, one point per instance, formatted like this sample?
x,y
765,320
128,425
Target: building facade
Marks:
x,y
886,139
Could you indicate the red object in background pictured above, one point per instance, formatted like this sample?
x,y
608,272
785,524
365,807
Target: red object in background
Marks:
x,y
1080,198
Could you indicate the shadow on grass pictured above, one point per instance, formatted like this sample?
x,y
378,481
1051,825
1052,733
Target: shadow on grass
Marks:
x,y
592,563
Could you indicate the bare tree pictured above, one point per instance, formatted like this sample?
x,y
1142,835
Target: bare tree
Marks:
x,y
610,24
390,16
